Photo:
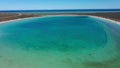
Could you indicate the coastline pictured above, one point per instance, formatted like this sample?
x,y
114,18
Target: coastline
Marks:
x,y
100,17
2,22
108,19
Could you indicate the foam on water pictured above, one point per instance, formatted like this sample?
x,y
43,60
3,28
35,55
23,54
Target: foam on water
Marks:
x,y
56,42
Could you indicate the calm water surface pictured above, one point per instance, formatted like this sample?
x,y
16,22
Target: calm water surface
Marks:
x,y
59,42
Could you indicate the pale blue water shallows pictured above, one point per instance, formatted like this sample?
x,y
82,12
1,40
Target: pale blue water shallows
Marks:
x,y
59,42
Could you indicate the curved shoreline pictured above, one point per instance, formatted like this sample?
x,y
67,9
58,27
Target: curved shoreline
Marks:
x,y
17,19
113,21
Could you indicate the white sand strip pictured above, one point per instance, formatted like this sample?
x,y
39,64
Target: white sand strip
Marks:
x,y
17,19
116,22
113,21
36,17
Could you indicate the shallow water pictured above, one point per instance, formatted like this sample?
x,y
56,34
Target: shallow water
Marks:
x,y
57,42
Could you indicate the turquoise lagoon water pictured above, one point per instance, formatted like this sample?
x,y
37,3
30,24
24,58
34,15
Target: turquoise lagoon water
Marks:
x,y
58,42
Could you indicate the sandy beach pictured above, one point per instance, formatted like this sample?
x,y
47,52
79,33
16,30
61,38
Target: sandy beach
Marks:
x,y
2,22
8,17
113,21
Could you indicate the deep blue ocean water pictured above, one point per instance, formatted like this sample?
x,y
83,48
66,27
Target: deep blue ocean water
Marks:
x,y
63,11
56,42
